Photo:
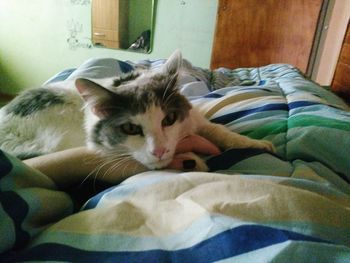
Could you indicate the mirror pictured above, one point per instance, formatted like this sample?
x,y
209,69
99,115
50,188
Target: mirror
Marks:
x,y
123,24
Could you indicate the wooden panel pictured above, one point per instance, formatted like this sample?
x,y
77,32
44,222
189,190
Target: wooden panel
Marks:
x,y
342,74
339,90
105,14
109,22
345,54
107,43
102,34
341,80
253,33
347,37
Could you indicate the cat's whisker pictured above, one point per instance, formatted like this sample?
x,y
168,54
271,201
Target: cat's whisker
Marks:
x,y
115,153
168,99
117,158
106,155
114,156
165,99
121,151
171,83
93,172
125,167
118,161
97,174
166,91
134,170
93,160
116,165
87,177
102,163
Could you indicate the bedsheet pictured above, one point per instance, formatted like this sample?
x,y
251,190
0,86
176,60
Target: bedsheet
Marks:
x,y
292,206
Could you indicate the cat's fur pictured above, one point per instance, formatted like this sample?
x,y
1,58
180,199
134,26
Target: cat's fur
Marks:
x,y
41,121
142,114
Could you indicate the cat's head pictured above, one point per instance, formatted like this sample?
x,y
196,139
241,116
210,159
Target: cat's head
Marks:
x,y
141,114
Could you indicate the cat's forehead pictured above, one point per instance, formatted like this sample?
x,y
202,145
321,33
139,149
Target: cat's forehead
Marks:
x,y
131,101
142,91
138,93
153,115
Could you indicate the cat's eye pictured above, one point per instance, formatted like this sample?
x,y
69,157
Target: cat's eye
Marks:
x,y
169,119
131,129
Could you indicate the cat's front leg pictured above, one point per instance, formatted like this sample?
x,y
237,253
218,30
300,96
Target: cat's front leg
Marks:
x,y
227,139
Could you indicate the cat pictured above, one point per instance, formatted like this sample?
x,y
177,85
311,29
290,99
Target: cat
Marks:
x,y
141,114
146,115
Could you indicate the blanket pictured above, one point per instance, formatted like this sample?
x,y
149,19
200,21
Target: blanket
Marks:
x,y
292,206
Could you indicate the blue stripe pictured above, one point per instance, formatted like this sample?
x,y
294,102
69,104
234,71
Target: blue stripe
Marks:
x,y
213,95
17,209
235,115
300,104
274,68
268,107
60,76
231,90
262,82
227,244
125,67
5,165
257,89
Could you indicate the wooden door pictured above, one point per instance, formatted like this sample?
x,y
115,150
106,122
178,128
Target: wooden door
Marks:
x,y
252,33
341,80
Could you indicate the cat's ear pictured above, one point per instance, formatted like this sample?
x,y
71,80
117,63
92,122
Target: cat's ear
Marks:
x,y
173,63
96,97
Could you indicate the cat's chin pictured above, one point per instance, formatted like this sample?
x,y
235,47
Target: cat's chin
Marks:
x,y
158,165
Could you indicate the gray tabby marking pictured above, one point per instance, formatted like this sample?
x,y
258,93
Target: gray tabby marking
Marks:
x,y
127,77
33,100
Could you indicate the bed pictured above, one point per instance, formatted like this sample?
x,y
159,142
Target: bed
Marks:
x,y
253,206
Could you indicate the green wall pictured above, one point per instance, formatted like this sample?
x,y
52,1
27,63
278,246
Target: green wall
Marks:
x,y
33,37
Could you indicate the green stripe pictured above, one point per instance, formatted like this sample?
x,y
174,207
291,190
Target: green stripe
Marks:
x,y
268,129
296,121
309,120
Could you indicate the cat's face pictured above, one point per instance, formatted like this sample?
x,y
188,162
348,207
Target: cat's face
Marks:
x,y
141,114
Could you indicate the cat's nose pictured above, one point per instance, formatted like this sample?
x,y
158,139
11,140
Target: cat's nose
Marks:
x,y
159,152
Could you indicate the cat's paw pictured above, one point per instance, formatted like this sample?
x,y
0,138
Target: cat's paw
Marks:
x,y
199,165
265,145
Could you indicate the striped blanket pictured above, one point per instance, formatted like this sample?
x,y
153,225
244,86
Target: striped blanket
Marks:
x,y
293,206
